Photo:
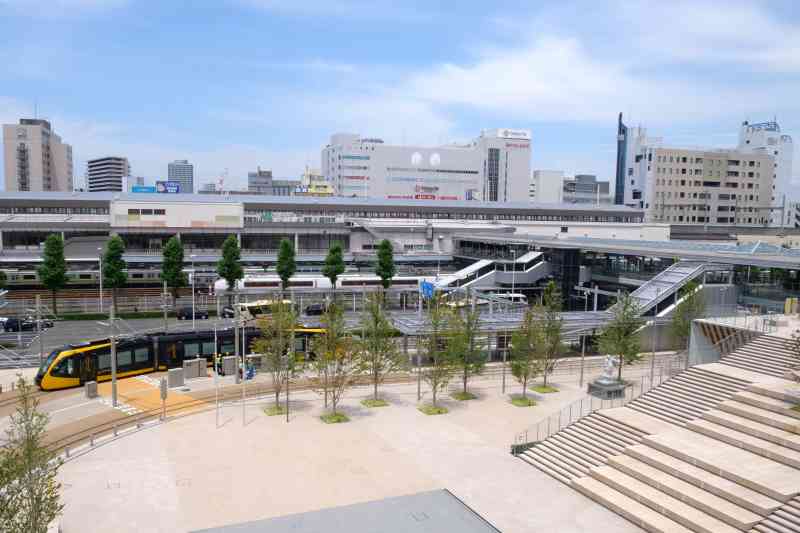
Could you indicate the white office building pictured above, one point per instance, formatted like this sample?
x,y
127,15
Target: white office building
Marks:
x,y
495,167
107,174
766,138
181,171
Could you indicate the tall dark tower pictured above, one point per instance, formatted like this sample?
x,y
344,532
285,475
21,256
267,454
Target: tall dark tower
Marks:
x,y
622,149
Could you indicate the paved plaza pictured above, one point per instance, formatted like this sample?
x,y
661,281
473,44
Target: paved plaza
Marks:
x,y
188,474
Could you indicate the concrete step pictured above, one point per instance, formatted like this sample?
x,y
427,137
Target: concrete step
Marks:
x,y
711,382
721,374
627,507
718,485
555,472
758,446
578,446
786,518
610,431
689,394
775,389
621,419
770,357
546,464
747,364
754,428
565,456
720,508
708,388
655,413
678,403
760,361
666,409
764,416
766,402
593,442
630,417
772,478
661,502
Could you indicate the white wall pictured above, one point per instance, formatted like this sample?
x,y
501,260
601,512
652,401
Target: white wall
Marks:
x,y
178,215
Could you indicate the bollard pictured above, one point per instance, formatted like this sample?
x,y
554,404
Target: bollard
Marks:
x,y
115,430
67,450
91,440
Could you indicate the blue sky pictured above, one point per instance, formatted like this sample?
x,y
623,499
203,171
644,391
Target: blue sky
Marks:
x,y
231,84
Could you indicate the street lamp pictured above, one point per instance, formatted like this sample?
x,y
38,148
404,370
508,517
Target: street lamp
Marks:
x,y
513,268
100,250
193,276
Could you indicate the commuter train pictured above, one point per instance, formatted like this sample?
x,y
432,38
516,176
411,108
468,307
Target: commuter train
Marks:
x,y
257,283
73,365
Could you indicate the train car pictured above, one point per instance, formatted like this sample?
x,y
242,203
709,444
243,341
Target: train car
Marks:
x,y
74,365
259,282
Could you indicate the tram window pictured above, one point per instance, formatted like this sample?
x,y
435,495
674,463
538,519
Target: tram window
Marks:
x,y
141,355
209,348
103,361
124,358
66,368
299,344
191,349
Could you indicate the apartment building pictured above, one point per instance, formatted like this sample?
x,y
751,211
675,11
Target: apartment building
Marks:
x,y
181,171
35,157
107,174
708,187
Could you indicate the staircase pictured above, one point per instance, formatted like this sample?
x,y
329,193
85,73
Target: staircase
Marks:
x,y
766,355
667,283
713,449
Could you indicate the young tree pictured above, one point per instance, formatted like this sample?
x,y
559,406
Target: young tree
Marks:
x,y
620,337
434,345
286,266
114,275
229,266
385,268
692,306
53,271
29,487
334,264
380,355
552,326
467,350
336,360
172,266
525,343
276,343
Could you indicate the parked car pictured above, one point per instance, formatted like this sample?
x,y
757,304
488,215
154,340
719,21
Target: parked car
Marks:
x,y
185,313
315,309
24,324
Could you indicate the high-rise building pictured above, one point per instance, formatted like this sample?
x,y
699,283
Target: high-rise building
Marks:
x,y
728,187
766,138
547,186
107,174
495,167
262,182
182,171
633,164
35,158
586,189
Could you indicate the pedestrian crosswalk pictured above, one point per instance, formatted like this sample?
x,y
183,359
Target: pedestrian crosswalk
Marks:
x,y
121,406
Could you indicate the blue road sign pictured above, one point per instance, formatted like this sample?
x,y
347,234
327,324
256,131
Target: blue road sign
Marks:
x,y
427,289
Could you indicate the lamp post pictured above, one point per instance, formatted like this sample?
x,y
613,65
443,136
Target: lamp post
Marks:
x,y
513,269
100,250
194,328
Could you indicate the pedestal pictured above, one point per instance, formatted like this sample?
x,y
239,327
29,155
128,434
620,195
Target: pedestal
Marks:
x,y
606,390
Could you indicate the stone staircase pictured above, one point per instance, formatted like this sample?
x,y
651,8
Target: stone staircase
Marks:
x,y
714,449
765,354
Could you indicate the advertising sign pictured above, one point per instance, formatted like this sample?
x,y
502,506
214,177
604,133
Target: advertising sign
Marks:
x,y
143,188
168,187
508,133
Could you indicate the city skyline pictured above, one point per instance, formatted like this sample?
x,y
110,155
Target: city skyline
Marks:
x,y
239,101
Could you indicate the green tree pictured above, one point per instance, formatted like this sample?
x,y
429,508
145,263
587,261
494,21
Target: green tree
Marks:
x,y
29,487
276,343
440,364
620,336
286,266
467,349
3,280
334,264
114,275
380,356
337,360
172,266
525,343
385,268
53,271
552,326
692,306
229,266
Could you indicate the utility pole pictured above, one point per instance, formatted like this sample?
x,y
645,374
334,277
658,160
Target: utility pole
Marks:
x,y
112,325
101,278
39,328
215,370
164,307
